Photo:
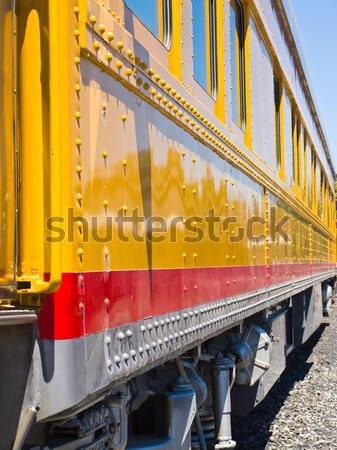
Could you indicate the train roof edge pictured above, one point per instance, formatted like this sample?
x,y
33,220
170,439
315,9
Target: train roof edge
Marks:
x,y
285,10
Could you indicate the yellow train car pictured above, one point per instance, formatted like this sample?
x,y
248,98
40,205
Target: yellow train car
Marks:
x,y
167,228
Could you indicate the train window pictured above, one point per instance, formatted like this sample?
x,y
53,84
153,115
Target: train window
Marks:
x,y
213,49
156,16
277,119
204,44
298,153
287,139
237,57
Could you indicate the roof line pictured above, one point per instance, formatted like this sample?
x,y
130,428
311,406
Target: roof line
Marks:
x,y
303,79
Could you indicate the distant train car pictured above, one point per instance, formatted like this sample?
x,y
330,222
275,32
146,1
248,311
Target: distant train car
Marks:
x,y
167,223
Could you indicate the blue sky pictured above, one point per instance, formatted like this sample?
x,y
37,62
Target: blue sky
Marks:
x,y
316,23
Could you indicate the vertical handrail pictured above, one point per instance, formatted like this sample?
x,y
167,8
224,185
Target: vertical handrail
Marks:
x,y
39,286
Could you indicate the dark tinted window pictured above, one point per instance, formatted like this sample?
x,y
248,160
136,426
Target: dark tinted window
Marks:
x,y
237,56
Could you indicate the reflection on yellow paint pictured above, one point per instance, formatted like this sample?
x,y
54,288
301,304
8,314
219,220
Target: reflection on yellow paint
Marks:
x,y
7,184
121,154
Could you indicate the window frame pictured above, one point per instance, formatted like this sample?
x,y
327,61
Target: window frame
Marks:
x,y
277,121
213,49
294,144
211,60
164,22
167,24
240,81
299,155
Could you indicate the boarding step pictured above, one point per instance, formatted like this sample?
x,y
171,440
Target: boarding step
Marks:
x,y
12,317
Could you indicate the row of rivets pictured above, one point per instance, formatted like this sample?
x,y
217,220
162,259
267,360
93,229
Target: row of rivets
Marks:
x,y
154,345
168,88
78,141
183,101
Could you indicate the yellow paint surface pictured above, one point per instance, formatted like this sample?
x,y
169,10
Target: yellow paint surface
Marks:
x,y
125,154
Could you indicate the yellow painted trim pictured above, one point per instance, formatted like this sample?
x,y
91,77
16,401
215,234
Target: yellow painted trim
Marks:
x,y
31,142
208,46
56,11
305,175
299,158
37,284
275,126
82,20
317,187
160,20
8,67
313,181
323,199
175,52
265,226
248,130
282,162
294,133
219,106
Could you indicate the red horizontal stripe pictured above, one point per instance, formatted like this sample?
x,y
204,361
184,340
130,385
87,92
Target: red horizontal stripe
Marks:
x,y
93,301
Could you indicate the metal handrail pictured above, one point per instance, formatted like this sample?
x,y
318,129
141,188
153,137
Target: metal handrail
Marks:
x,y
37,285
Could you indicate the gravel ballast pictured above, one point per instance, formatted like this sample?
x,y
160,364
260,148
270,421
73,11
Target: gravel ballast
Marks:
x,y
300,411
